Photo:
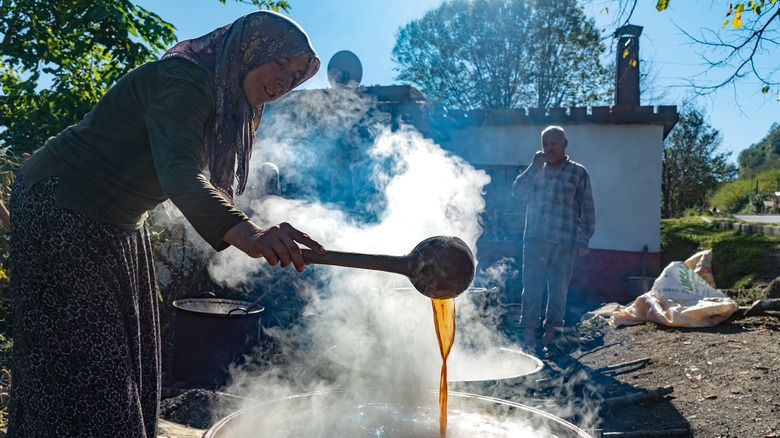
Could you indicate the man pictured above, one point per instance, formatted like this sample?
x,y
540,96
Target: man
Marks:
x,y
560,220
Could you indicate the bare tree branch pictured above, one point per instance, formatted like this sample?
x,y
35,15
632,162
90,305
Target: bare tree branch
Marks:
x,y
750,43
739,55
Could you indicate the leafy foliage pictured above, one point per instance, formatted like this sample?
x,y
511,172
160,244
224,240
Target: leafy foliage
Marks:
x,y
566,47
82,48
491,54
692,165
264,4
58,57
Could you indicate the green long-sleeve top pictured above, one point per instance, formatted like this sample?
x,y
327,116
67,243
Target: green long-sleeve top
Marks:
x,y
140,145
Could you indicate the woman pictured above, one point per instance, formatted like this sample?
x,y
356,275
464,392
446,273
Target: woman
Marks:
x,y
85,318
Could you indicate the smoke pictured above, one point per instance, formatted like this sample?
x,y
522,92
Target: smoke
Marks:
x,y
357,180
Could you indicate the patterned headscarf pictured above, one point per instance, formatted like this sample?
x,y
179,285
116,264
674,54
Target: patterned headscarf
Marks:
x,y
227,55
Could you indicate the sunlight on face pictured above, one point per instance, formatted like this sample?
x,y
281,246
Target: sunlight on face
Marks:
x,y
269,81
554,145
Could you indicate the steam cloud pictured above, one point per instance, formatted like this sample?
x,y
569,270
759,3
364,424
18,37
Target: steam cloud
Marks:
x,y
355,184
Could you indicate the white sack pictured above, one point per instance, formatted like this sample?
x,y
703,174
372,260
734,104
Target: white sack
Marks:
x,y
679,298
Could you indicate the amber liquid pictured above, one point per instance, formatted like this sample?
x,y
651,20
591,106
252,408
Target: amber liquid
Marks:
x,y
444,321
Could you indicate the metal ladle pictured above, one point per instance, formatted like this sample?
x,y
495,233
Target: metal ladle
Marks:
x,y
438,267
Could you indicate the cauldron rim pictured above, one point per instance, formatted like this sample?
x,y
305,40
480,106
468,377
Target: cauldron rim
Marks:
x,y
244,307
215,430
538,365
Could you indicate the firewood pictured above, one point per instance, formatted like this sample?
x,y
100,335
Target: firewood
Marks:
x,y
760,307
642,361
638,397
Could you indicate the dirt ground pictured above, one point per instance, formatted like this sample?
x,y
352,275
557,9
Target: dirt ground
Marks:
x,y
640,381
724,380
646,381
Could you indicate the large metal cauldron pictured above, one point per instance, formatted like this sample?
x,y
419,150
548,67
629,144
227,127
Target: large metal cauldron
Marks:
x,y
210,334
383,412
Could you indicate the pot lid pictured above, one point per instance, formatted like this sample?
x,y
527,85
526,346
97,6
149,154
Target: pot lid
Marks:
x,y
217,306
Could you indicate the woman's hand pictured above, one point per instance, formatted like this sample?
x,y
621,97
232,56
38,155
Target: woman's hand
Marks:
x,y
275,244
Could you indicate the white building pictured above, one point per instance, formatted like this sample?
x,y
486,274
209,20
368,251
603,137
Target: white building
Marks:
x,y
620,145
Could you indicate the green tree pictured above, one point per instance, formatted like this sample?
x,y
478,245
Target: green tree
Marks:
x,y
58,57
566,52
469,54
693,167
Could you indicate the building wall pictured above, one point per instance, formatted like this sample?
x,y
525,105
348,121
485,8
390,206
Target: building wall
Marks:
x,y
624,162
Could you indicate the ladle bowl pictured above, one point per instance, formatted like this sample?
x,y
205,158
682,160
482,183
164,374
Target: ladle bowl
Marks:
x,y
438,267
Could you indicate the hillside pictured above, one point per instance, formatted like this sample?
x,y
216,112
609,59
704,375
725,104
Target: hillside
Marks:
x,y
761,156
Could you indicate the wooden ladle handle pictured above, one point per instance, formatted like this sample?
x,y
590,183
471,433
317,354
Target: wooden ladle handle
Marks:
x,y
376,262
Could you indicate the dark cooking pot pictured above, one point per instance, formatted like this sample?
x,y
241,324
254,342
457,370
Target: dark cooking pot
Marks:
x,y
390,413
210,334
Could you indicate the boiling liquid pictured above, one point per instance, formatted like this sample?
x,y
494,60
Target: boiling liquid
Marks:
x,y
444,321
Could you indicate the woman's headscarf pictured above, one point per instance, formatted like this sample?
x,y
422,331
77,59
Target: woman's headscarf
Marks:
x,y
227,54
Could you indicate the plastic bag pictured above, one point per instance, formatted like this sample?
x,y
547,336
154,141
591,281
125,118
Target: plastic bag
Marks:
x,y
679,298
701,263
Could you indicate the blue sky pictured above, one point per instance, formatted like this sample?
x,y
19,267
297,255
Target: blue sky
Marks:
x,y
367,28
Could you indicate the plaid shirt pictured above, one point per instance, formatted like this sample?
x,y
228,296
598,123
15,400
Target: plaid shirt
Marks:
x,y
559,203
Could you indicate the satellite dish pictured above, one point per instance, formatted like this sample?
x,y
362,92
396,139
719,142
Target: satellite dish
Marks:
x,y
344,70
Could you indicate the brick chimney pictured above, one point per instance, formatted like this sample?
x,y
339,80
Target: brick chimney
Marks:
x,y
627,66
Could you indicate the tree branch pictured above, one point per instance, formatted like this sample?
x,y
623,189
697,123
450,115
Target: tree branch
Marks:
x,y
751,42
738,55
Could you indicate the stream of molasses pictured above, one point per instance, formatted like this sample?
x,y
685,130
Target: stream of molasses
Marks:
x,y
444,321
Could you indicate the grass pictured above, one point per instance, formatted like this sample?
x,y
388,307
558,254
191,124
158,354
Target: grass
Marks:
x,y
746,297
647,327
738,259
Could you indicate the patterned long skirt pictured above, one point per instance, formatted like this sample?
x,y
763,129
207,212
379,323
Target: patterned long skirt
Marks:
x,y
86,353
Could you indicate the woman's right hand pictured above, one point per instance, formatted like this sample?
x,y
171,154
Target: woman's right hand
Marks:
x,y
276,244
